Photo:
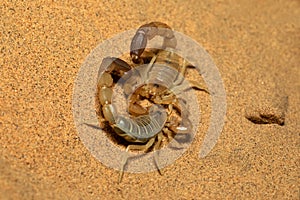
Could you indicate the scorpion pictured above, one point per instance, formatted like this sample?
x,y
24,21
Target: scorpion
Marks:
x,y
159,85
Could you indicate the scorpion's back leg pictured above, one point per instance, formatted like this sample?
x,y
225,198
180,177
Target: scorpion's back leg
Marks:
x,y
134,147
177,140
156,147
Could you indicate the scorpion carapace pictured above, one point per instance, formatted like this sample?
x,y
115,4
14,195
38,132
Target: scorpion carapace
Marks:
x,y
152,93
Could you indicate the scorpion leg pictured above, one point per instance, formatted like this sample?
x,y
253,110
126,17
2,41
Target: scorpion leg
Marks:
x,y
178,86
156,147
168,56
147,32
134,147
170,137
176,126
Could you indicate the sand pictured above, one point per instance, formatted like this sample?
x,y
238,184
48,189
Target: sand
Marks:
x,y
255,46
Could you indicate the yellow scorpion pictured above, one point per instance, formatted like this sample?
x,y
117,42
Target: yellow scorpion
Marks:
x,y
159,82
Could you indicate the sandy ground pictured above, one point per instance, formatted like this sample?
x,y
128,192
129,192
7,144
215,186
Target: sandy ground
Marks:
x,y
256,48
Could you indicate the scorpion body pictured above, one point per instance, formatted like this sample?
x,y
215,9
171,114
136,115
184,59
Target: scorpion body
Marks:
x,y
160,81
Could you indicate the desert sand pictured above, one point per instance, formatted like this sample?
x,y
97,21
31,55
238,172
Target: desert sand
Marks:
x,y
254,44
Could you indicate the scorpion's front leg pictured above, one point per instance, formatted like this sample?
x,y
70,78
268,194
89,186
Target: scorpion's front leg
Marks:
x,y
147,32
